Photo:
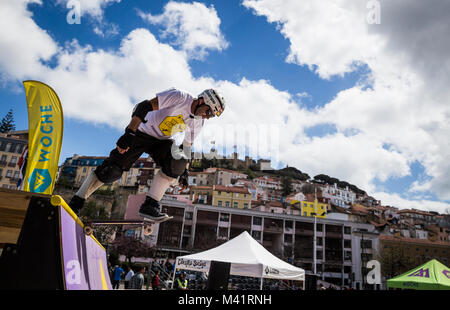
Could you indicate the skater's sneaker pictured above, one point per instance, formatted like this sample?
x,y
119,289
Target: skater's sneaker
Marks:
x,y
151,209
76,203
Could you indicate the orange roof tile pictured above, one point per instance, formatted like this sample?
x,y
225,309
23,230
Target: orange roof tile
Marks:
x,y
232,189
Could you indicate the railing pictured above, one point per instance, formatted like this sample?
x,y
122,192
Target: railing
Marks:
x,y
164,277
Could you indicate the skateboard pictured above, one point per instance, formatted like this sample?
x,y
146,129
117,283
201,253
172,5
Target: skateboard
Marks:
x,y
145,223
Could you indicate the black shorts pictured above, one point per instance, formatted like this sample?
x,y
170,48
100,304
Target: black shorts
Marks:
x,y
159,150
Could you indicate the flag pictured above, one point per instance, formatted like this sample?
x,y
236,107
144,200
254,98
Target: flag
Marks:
x,y
45,126
23,167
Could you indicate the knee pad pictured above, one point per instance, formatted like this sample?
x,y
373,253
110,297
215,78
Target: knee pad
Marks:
x,y
108,173
175,167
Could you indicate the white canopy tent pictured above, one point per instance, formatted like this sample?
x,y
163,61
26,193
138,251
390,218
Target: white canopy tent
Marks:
x,y
248,258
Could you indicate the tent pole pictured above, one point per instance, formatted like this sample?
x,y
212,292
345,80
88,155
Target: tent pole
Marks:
x,y
174,271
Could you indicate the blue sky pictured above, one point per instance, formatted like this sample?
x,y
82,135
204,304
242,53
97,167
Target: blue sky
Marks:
x,y
331,90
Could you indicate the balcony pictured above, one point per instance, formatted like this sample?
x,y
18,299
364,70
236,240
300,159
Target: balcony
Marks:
x,y
273,229
304,232
206,221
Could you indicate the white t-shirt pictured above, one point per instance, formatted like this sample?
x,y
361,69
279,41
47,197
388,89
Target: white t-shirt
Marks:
x,y
129,275
172,117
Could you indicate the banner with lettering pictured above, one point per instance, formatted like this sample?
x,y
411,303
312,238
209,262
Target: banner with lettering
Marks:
x,y
45,132
193,264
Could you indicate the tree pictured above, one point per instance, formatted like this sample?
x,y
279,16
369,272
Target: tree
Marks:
x,y
132,247
7,123
287,185
250,174
94,212
308,189
394,261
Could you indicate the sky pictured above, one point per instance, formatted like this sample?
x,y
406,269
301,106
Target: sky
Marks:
x,y
357,90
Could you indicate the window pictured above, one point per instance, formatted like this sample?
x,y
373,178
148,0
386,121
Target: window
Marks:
x,y
256,235
319,254
19,148
13,160
8,147
257,221
4,157
188,215
9,173
347,243
84,169
16,174
235,205
347,230
227,204
287,238
219,203
245,205
224,217
366,244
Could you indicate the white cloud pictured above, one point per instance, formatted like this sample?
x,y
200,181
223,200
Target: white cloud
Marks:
x,y
420,204
100,87
405,105
195,27
23,45
95,9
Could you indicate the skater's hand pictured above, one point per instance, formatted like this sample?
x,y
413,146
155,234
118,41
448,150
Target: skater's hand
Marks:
x,y
121,151
125,141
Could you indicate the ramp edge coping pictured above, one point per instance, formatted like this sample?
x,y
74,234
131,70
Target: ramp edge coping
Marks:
x,y
58,201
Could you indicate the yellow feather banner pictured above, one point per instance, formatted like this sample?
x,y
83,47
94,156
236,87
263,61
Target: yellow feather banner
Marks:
x,y
45,132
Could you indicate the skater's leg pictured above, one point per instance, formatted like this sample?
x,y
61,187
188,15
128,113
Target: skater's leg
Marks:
x,y
170,170
89,186
160,184
109,171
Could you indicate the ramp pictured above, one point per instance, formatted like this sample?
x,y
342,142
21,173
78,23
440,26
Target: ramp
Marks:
x,y
44,246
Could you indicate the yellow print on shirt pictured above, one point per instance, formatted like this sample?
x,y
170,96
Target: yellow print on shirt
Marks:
x,y
172,125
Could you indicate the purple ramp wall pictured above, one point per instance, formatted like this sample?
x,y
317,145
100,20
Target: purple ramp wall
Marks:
x,y
84,260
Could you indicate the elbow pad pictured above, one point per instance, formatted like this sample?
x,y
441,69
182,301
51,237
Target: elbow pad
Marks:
x,y
141,109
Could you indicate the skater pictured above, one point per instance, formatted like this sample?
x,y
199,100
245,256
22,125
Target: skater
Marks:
x,y
153,125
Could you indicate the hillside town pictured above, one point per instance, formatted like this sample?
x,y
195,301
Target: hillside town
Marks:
x,y
328,227
329,230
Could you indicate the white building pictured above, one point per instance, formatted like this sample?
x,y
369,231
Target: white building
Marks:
x,y
338,196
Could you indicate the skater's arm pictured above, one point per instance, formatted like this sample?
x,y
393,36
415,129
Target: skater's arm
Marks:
x,y
139,113
141,109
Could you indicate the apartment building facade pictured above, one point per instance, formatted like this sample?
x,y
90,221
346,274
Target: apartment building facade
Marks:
x,y
11,147
231,197
77,168
339,248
